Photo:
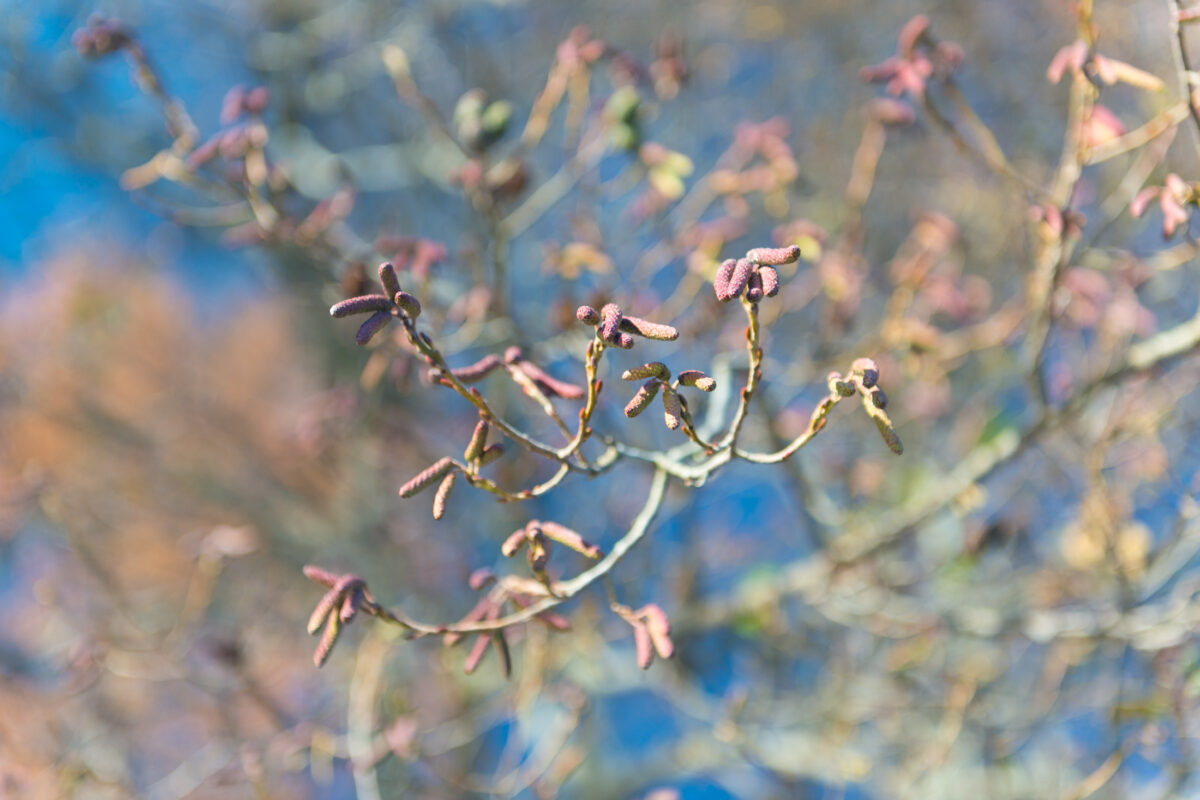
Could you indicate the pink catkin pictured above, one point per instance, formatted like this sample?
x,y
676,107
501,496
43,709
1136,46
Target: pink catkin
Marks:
x,y
587,315
643,645
610,322
426,478
443,495
659,628
322,611
774,256
407,303
740,277
478,441
568,537
770,281
654,369
641,401
754,288
550,384
721,281
650,330
672,409
477,371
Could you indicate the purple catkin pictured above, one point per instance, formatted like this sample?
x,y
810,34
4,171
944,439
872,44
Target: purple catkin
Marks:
x,y
478,441
443,494
659,628
624,341
478,651
203,154
610,323
868,369
513,544
550,384
566,536
410,305
740,277
650,330
477,371
774,256
374,324
332,630
360,305
696,378
513,354
654,369
350,604
427,477
388,279
322,611
491,453
257,99
754,288
770,281
480,578
643,645
587,315
321,576
641,401
672,409
721,281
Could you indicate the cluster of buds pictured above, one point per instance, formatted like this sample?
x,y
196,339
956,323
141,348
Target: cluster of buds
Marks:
x,y
444,472
382,307
918,58
755,275
347,595
101,37
1079,59
527,374
490,607
675,411
615,328
863,379
1173,197
535,538
651,632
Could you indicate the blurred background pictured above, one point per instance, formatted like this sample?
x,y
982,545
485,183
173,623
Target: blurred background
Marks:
x,y
1007,610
